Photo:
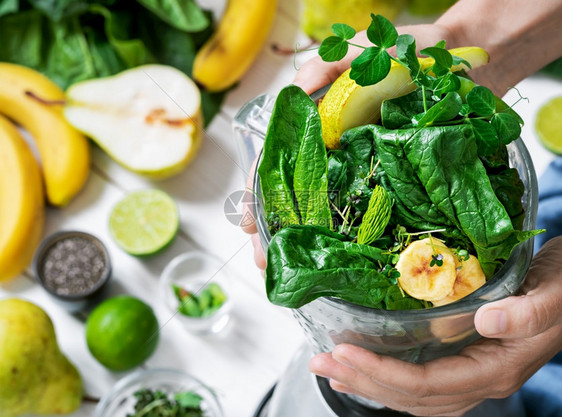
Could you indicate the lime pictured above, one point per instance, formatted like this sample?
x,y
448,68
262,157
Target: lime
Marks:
x,y
122,332
144,222
548,125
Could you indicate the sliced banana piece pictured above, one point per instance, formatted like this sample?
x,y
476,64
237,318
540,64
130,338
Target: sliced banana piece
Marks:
x,y
421,280
469,278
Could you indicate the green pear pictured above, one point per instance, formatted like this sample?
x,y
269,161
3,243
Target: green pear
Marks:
x,y
319,15
35,377
147,118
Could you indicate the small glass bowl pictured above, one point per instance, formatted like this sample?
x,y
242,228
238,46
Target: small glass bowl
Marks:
x,y
193,271
120,400
77,301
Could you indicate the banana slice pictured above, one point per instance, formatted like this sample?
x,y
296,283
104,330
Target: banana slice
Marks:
x,y
469,278
421,280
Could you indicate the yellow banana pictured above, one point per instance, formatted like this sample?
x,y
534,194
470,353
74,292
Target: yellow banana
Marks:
x,y
64,152
231,50
469,278
21,202
419,278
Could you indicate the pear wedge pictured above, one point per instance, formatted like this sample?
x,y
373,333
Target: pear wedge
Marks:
x,y
347,104
147,118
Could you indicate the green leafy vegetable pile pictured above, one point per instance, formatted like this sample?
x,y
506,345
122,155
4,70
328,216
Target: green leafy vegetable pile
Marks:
x,y
437,164
75,40
159,404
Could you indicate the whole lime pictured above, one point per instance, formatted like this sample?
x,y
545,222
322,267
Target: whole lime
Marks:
x,y
122,332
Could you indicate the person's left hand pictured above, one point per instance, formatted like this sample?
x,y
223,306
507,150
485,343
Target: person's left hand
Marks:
x,y
524,333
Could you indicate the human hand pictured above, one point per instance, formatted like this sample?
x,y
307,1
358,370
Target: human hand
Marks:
x,y
521,333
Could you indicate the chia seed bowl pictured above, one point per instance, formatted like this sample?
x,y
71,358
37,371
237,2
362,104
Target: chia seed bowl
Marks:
x,y
73,267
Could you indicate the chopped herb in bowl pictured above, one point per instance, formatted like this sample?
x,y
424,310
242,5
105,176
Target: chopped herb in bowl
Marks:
x,y
160,404
203,304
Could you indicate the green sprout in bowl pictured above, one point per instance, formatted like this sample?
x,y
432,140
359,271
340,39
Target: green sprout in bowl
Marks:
x,y
204,304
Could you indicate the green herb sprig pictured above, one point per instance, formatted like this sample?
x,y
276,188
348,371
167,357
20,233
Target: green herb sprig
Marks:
x,y
159,404
493,122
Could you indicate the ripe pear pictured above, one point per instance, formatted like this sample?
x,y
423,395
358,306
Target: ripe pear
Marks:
x,y
319,15
147,118
35,377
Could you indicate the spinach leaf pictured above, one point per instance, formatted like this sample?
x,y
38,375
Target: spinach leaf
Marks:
x,y
509,189
395,299
71,41
307,262
398,113
182,14
446,162
293,171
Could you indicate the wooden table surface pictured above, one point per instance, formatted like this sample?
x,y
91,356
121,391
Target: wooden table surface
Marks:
x,y
243,362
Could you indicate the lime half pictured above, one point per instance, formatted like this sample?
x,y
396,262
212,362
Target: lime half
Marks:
x,y
144,222
548,125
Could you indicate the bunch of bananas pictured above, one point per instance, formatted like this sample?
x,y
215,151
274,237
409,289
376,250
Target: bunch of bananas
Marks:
x,y
64,168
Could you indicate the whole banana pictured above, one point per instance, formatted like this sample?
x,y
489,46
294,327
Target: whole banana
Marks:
x,y
64,152
21,202
233,47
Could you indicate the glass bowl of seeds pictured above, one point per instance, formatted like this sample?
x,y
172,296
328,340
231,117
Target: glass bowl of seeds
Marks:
x,y
73,266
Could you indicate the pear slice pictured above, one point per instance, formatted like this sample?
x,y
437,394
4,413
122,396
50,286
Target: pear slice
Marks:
x,y
347,104
147,118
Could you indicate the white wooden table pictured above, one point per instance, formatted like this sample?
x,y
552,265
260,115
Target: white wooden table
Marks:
x,y
242,363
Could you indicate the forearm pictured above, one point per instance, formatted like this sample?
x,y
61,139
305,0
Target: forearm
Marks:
x,y
521,36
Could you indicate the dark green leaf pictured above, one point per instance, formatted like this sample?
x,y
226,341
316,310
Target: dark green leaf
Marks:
x,y
185,15
293,170
343,31
446,109
333,49
372,66
406,52
59,9
462,191
398,112
458,60
509,189
307,262
396,299
506,126
382,32
487,140
482,101
118,26
442,57
445,84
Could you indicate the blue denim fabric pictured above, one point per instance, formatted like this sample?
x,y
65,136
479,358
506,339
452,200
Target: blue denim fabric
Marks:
x,y
542,394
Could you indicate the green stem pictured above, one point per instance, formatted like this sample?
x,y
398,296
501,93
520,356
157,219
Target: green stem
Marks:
x,y
354,44
424,99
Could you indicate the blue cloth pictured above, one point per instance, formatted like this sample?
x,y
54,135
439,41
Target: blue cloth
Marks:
x,y
542,393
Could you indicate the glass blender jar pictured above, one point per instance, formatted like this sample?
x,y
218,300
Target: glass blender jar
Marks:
x,y
412,335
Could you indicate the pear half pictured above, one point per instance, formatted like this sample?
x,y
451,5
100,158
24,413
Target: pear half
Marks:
x,y
347,104
147,118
